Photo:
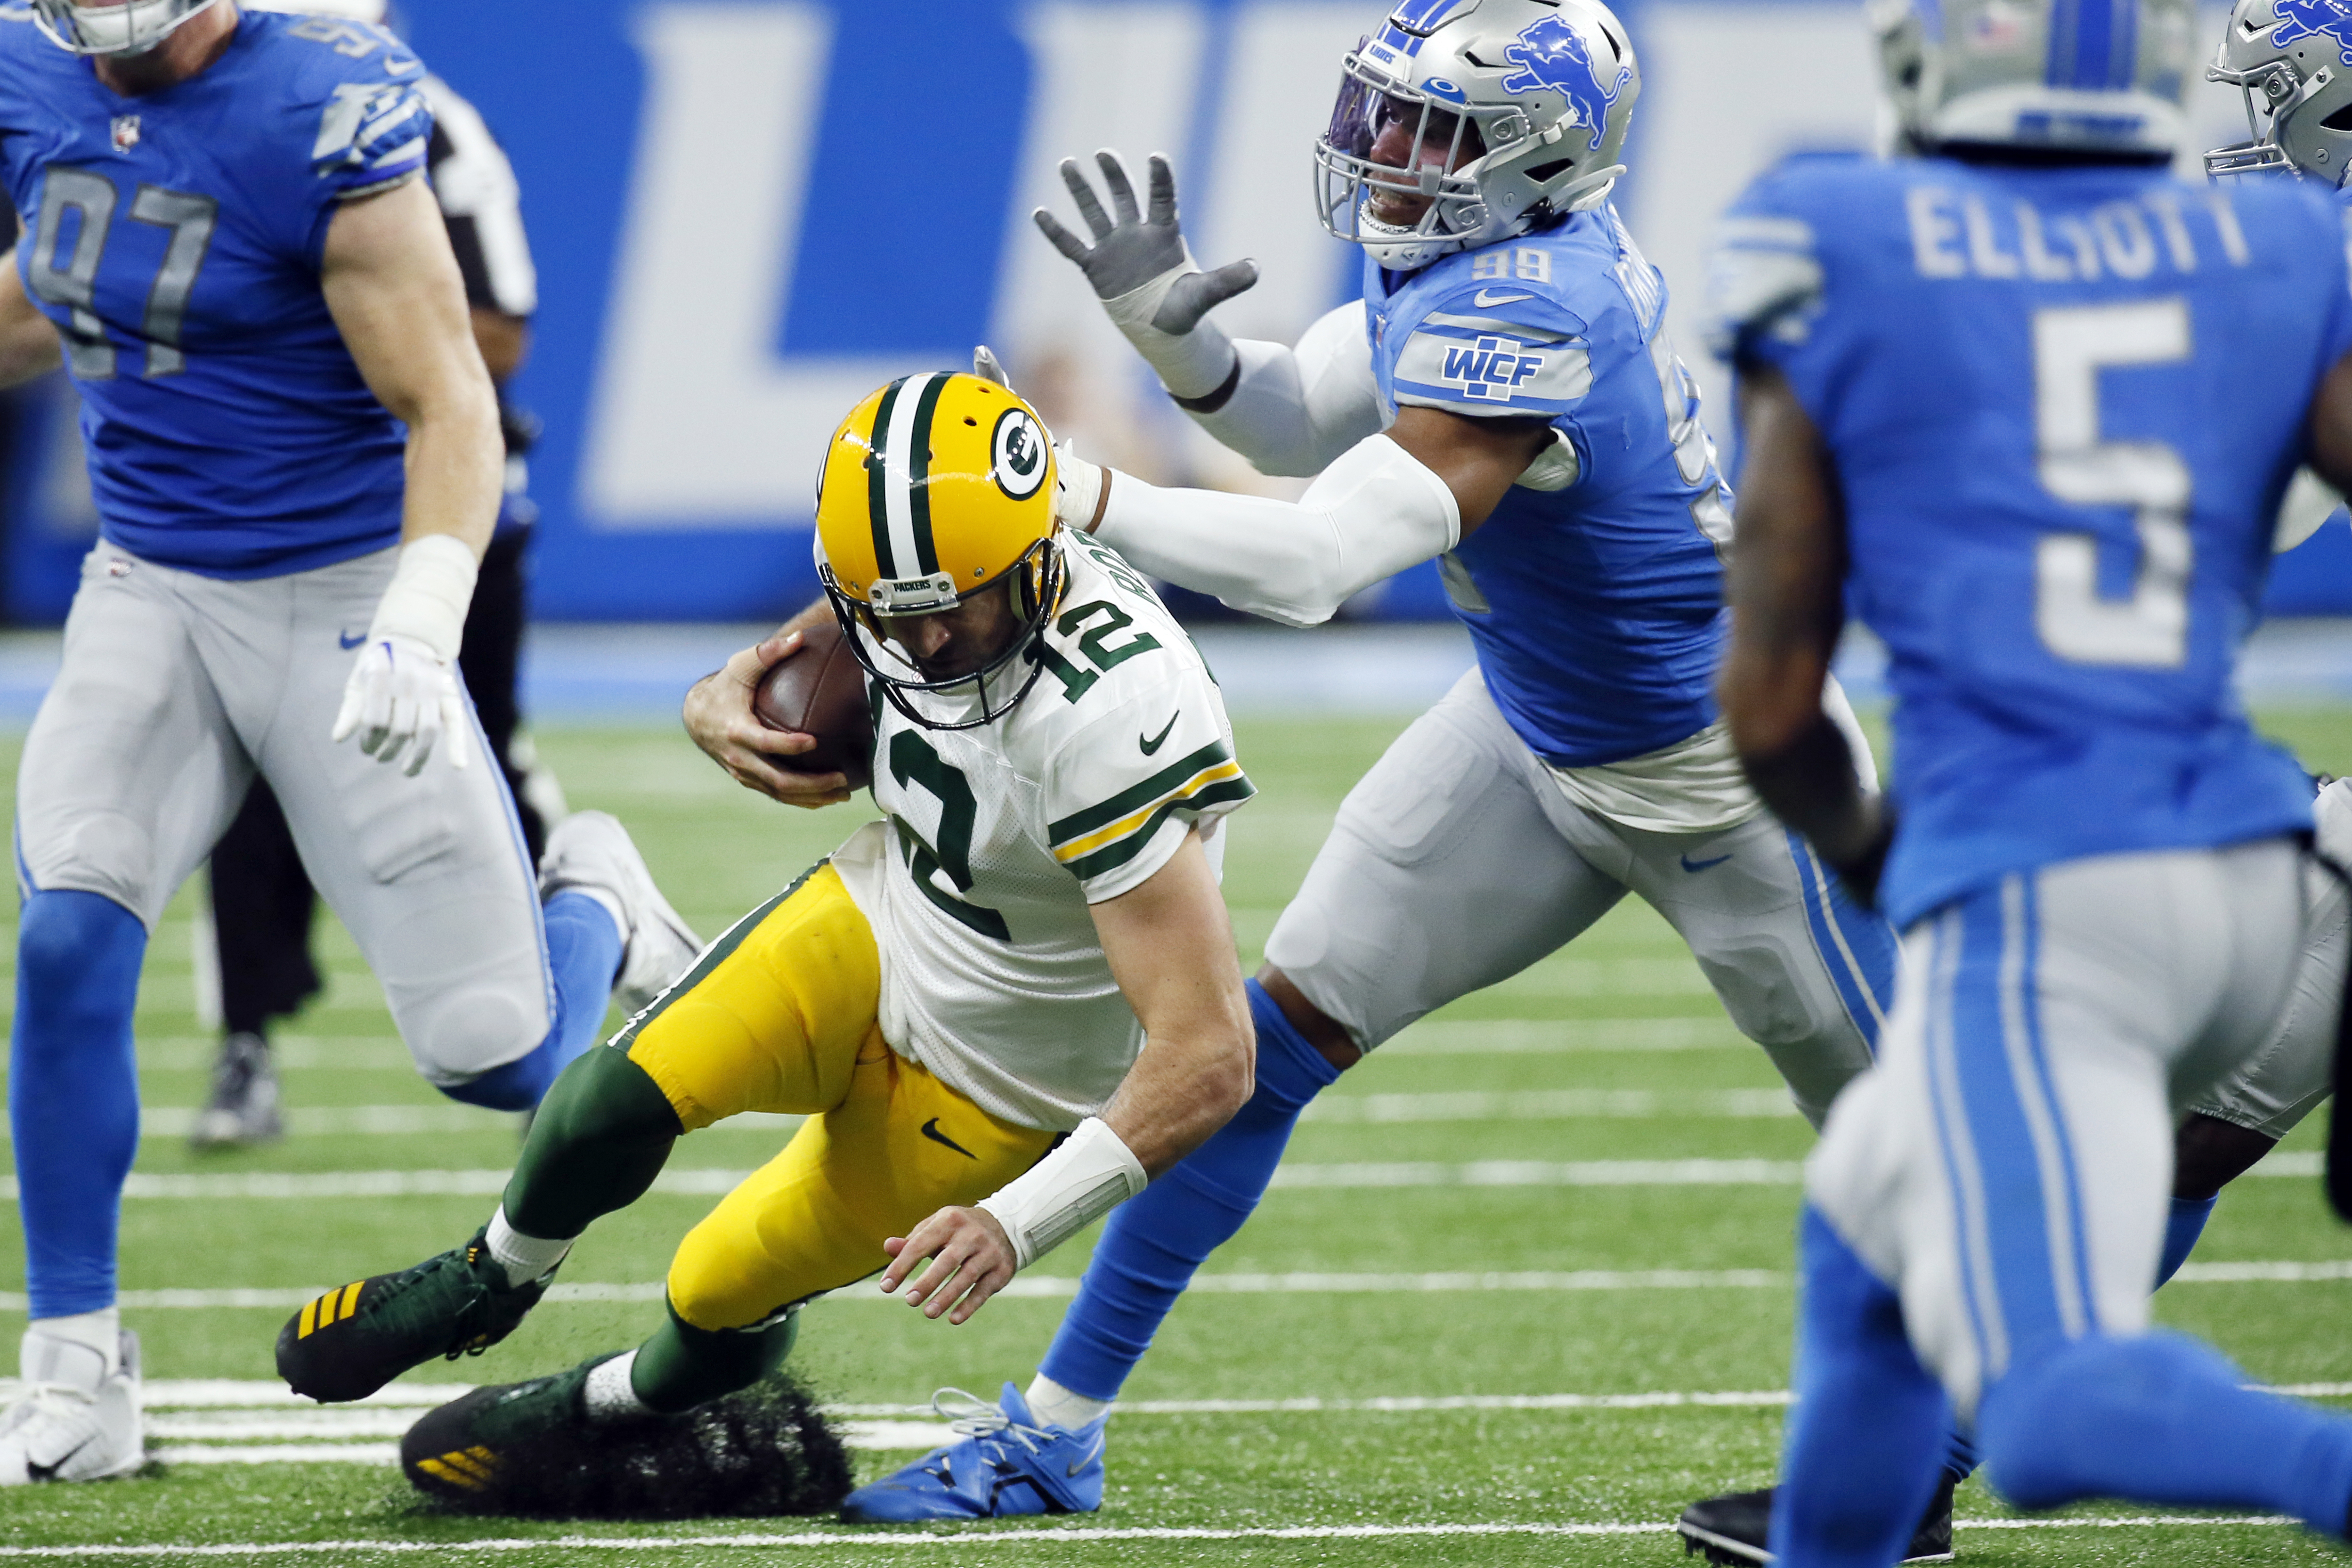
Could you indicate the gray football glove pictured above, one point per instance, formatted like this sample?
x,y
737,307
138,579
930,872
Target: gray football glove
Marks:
x,y
1146,277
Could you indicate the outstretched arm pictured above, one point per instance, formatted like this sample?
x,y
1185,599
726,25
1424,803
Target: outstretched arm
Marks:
x,y
1170,944
1289,411
1788,607
1393,501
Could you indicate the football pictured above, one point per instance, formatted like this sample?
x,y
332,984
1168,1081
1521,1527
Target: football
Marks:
x,y
821,691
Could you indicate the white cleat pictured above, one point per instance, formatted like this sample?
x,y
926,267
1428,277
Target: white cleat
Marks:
x,y
73,1417
591,850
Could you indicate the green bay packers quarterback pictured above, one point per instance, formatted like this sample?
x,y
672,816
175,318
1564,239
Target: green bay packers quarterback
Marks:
x,y
1003,1007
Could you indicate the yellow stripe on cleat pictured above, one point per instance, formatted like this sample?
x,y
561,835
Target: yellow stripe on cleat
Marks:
x,y
440,1471
310,1318
351,1302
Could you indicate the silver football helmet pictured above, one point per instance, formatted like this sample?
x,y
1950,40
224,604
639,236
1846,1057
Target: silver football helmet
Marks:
x,y
2293,60
132,27
1463,121
2058,76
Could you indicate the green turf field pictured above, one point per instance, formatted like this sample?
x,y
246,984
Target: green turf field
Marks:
x,y
1498,1341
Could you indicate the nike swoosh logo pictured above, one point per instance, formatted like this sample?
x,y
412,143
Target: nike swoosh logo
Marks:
x,y
1690,865
1089,1457
1157,741
932,1131
49,1472
1486,298
350,642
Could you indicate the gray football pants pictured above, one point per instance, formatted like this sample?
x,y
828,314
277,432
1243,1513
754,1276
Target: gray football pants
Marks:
x,y
2293,1069
2007,1166
1458,860
176,689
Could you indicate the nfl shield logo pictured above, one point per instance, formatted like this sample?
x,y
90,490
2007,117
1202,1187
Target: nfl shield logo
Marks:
x,y
126,132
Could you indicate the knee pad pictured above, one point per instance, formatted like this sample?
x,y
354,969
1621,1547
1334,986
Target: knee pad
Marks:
x,y
472,1034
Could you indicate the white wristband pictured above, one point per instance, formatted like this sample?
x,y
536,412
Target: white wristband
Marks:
x,y
1091,1174
1191,364
431,589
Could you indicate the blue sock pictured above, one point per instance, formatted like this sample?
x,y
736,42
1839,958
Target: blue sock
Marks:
x,y
583,948
2182,1227
1869,1421
1153,1243
73,1093
2160,1418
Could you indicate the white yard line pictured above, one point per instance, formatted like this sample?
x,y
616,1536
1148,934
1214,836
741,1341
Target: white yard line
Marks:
x,y
220,1409
704,1181
1449,1282
916,1540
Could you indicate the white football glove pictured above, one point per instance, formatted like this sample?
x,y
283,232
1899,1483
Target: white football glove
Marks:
x,y
402,694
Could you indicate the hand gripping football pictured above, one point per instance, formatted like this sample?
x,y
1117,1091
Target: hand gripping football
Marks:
x,y
821,691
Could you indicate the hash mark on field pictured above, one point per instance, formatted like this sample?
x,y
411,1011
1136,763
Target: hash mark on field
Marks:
x,y
916,1540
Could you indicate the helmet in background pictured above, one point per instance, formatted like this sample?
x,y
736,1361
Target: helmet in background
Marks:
x,y
2104,77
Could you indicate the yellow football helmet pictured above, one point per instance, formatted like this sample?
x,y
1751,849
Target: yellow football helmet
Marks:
x,y
937,487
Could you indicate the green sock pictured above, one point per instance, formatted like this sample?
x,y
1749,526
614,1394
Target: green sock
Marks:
x,y
601,1136
682,1366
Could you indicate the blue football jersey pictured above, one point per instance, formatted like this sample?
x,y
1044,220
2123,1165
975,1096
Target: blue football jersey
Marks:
x,y
1596,606
175,238
2064,404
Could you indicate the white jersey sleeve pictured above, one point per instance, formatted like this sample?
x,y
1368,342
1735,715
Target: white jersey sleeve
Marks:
x,y
1122,790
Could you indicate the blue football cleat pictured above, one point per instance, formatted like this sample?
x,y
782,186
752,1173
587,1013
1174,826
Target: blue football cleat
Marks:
x,y
1003,1464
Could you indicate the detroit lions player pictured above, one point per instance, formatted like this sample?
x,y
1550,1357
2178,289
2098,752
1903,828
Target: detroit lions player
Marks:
x,y
256,293
1503,398
2032,405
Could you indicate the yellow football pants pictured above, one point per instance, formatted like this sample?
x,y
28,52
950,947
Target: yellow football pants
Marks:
x,y
780,1016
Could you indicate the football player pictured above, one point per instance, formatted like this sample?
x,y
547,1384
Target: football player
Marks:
x,y
294,449
2226,1129
1003,1009
2031,405
262,903
1503,398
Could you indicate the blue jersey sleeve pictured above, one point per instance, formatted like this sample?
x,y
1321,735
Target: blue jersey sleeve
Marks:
x,y
2336,339
1504,347
359,102
1764,277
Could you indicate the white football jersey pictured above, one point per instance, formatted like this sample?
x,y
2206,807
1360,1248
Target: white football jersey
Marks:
x,y
998,838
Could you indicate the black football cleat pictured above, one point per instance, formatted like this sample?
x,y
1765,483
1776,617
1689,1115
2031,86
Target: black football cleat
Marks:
x,y
475,1449
532,1450
1733,1530
352,1342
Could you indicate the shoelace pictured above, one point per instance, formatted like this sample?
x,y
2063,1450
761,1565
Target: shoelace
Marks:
x,y
972,1416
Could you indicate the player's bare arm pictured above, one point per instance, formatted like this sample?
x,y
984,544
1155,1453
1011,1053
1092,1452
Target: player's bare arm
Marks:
x,y
29,344
504,341
1171,945
1788,608
2331,427
720,719
393,284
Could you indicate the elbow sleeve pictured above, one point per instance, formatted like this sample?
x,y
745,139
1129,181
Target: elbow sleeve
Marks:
x,y
1294,411
1374,512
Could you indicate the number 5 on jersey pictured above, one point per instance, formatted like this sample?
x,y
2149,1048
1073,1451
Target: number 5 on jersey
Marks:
x,y
2150,629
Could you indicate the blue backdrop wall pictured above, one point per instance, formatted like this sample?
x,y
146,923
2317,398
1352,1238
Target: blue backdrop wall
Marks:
x,y
748,212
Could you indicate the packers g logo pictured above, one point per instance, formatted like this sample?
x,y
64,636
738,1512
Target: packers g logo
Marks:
x,y
1017,451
